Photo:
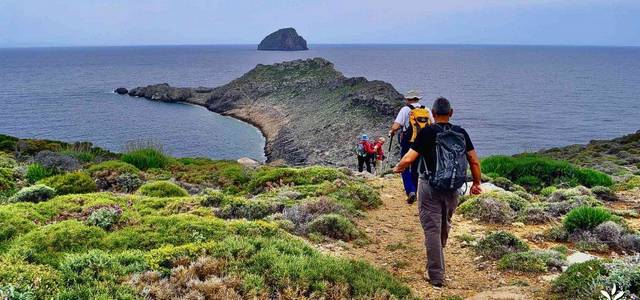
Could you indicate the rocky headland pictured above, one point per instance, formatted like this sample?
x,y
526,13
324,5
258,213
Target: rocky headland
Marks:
x,y
309,112
285,39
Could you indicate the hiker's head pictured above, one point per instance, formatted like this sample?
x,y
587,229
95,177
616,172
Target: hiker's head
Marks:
x,y
412,96
364,137
381,140
441,108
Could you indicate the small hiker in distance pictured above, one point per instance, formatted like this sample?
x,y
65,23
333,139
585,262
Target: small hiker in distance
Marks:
x,y
412,118
364,152
443,152
378,155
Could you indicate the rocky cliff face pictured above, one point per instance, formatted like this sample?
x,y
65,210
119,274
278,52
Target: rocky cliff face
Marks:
x,y
309,112
286,39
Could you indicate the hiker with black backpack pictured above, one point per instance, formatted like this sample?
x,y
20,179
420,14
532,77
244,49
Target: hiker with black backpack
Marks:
x,y
443,152
412,118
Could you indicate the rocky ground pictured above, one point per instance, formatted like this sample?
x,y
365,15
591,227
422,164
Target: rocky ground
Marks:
x,y
308,111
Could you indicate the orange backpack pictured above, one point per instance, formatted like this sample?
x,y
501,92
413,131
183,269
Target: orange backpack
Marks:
x,y
419,118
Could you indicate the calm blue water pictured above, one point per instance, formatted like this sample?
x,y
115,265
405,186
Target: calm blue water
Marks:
x,y
511,99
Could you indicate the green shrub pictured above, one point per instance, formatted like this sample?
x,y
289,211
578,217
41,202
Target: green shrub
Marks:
x,y
229,176
532,261
11,226
7,180
534,214
145,159
7,161
630,184
498,243
547,171
38,281
284,263
531,183
295,176
156,231
585,218
604,193
334,226
522,261
577,281
250,209
352,195
35,193
492,207
36,172
104,217
624,274
557,233
162,189
71,183
547,191
113,165
97,266
49,243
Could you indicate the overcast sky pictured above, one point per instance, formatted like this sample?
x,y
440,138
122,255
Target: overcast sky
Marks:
x,y
161,22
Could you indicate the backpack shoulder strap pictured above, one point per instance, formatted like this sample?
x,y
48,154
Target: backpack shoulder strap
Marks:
x,y
410,106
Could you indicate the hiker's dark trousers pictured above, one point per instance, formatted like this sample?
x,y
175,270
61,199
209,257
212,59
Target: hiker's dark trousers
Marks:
x,y
364,161
436,209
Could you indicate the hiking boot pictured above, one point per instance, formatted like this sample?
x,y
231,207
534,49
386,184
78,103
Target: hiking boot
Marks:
x,y
437,284
411,198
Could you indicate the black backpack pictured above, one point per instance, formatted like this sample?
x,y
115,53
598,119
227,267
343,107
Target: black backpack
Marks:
x,y
451,160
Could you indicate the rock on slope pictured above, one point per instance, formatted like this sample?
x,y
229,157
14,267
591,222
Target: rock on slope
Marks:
x,y
285,39
309,112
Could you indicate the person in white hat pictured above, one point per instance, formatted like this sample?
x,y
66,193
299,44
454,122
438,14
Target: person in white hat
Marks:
x,y
401,125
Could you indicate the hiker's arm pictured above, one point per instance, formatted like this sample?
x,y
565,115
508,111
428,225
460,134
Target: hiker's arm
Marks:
x,y
474,163
394,128
406,161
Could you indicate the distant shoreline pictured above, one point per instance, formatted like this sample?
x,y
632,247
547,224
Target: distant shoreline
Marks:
x,y
324,45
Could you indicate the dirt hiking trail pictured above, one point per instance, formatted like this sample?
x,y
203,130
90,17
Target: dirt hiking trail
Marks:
x,y
397,244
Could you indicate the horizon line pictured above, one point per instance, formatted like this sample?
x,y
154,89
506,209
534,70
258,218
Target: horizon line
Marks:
x,y
324,44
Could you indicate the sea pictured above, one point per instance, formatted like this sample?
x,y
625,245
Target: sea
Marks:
x,y
511,99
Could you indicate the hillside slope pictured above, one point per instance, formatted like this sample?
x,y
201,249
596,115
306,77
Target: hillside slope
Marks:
x,y
308,111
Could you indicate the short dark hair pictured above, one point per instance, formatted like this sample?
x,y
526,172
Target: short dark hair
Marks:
x,y
441,106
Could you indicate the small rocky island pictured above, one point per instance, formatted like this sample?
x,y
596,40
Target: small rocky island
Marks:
x,y
285,39
308,111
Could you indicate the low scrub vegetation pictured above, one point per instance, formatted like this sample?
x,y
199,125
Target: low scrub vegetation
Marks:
x,y
146,237
533,261
71,183
537,172
162,189
35,193
500,243
146,158
585,218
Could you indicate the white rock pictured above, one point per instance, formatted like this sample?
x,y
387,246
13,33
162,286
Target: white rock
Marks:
x,y
579,257
486,187
550,277
248,162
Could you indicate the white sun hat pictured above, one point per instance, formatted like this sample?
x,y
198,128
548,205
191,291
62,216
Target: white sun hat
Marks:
x,y
413,94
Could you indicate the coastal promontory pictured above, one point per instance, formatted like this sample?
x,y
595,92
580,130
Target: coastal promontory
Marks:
x,y
309,112
285,39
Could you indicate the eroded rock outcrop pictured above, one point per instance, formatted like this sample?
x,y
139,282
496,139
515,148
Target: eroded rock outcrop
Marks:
x,y
285,39
309,112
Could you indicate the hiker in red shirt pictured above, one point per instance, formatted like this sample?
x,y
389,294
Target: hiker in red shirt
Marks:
x,y
378,153
364,151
